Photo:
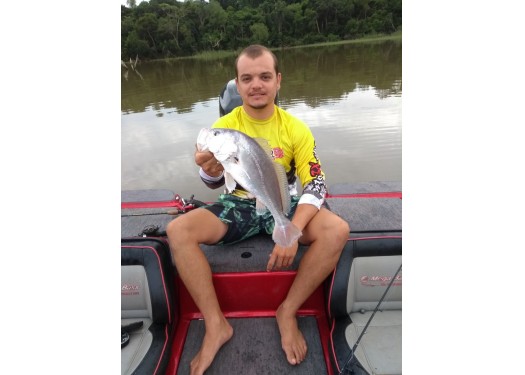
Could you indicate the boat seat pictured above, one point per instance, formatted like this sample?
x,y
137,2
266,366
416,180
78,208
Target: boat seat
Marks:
x,y
147,297
360,279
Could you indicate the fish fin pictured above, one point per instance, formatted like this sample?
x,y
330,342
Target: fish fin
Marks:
x,y
260,208
281,175
265,145
229,182
283,187
285,235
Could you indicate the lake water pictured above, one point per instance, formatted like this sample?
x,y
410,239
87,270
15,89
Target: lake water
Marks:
x,y
349,95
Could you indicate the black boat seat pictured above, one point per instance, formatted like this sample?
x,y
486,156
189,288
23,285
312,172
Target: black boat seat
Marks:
x,y
361,277
146,296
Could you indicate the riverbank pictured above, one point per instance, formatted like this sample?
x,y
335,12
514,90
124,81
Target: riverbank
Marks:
x,y
210,55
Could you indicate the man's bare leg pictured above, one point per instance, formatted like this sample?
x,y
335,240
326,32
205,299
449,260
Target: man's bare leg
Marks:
x,y
327,234
185,234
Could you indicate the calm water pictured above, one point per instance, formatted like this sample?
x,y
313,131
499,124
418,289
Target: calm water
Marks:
x,y
349,95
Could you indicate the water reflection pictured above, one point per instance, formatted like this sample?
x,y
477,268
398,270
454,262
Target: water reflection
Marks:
x,y
350,96
131,66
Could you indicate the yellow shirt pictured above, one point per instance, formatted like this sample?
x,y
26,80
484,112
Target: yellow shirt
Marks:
x,y
293,146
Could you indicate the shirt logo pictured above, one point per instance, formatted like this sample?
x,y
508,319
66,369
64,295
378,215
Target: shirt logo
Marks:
x,y
277,153
315,169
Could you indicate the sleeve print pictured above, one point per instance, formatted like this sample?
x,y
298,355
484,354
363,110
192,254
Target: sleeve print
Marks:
x,y
315,169
316,186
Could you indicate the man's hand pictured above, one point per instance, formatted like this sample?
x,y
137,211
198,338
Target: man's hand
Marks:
x,y
208,163
282,257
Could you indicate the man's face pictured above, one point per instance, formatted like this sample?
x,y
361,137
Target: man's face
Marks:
x,y
257,81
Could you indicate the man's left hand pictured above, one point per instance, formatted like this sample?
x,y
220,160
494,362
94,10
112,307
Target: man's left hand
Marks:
x,y
282,257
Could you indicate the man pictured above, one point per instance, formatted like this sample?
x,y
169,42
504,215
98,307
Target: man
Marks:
x,y
258,80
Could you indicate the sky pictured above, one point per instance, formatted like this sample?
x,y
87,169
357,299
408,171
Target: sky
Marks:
x,y
124,2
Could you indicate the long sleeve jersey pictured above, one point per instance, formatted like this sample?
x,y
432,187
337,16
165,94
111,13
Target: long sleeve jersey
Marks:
x,y
293,146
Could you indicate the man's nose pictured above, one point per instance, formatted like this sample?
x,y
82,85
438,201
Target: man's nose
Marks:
x,y
257,82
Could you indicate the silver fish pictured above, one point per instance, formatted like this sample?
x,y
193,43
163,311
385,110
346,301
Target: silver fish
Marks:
x,y
248,162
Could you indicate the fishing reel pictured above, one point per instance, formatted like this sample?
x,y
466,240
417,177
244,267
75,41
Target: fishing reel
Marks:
x,y
187,205
181,206
126,330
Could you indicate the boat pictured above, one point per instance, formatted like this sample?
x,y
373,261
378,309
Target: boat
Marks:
x,y
352,322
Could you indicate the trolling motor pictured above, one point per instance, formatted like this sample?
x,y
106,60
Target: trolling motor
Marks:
x,y
230,98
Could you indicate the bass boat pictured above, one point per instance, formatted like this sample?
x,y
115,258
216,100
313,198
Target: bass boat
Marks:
x,y
352,323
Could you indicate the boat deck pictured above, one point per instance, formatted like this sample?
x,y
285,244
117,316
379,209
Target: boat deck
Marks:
x,y
256,349
372,209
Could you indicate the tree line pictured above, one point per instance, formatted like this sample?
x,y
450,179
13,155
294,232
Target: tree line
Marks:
x,y
168,28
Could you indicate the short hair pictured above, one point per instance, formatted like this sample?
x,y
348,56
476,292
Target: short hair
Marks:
x,y
254,51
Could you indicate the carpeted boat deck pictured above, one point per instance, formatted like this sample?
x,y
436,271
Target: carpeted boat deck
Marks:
x,y
366,216
255,349
363,214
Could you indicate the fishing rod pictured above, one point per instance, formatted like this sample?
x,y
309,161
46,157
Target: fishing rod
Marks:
x,y
175,211
346,368
186,206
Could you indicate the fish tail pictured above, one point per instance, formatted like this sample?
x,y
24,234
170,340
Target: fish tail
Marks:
x,y
285,235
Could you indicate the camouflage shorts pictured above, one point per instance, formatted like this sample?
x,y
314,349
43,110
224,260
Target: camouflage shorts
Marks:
x,y
242,219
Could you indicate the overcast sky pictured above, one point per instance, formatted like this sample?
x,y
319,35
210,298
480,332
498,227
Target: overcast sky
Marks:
x,y
124,2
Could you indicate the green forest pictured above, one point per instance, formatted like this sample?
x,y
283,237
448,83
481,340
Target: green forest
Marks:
x,y
158,29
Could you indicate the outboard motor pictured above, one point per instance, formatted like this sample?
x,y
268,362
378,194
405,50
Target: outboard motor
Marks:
x,y
230,98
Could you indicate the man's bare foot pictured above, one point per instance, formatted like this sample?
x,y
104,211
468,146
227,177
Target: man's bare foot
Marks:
x,y
292,340
215,337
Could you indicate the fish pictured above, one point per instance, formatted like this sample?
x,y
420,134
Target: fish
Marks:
x,y
248,162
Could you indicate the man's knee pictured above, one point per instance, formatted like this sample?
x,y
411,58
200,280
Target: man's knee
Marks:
x,y
340,232
173,228
331,229
194,228
181,230
343,229
334,232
